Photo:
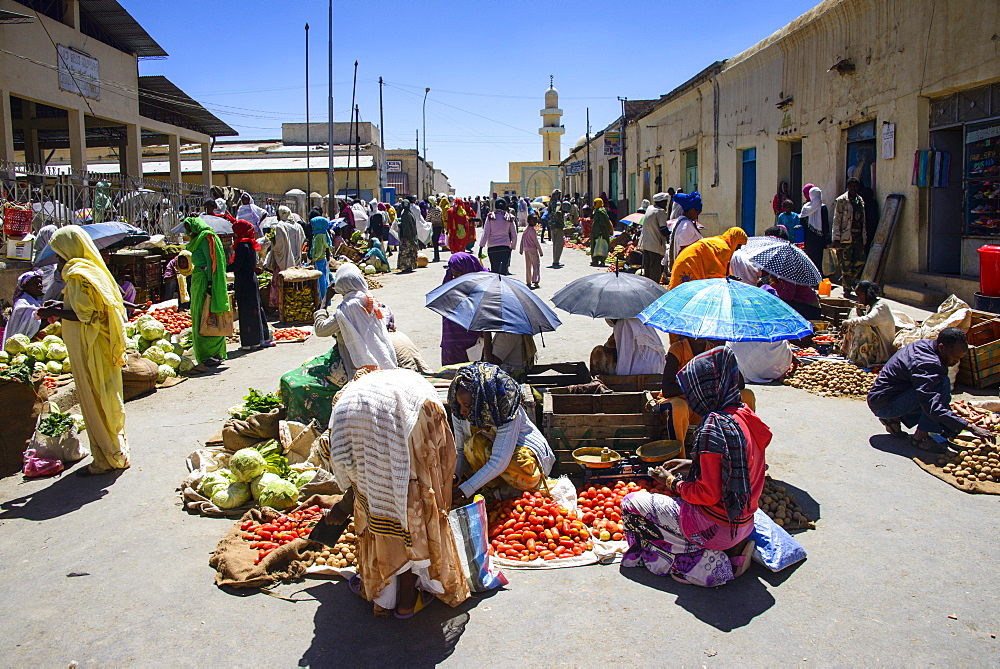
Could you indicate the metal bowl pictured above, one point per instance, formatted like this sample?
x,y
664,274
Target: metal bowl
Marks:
x,y
659,451
590,457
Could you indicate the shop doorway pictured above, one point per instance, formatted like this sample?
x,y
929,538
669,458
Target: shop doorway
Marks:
x,y
691,171
861,153
795,174
613,181
947,208
748,192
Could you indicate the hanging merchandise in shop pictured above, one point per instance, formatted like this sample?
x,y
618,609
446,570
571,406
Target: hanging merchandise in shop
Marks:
x,y
982,172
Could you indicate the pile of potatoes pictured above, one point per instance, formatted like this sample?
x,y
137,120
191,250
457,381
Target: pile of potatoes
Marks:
x,y
977,461
831,378
343,555
372,283
781,506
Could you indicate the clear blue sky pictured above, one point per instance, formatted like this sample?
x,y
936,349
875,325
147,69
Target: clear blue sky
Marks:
x,y
487,64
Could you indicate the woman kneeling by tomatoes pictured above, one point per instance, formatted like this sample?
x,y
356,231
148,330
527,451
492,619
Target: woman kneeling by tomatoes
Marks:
x,y
698,531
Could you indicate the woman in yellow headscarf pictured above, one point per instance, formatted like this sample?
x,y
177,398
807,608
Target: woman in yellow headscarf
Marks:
x,y
707,258
93,315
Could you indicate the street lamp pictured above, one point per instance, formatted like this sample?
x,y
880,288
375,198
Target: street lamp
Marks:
x,y
423,195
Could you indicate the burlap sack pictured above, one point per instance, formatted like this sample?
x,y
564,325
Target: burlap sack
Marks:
x,y
237,434
297,274
233,558
138,375
20,405
928,462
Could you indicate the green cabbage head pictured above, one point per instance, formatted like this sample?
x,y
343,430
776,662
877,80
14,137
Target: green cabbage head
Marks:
x,y
247,464
232,496
280,494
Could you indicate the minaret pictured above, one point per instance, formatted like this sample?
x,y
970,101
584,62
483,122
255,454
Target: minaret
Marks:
x,y
551,129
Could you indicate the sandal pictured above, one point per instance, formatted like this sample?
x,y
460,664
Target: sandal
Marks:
x,y
421,604
893,427
679,579
742,561
928,445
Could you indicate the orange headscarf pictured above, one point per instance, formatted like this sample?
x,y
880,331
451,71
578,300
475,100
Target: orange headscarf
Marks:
x,y
707,258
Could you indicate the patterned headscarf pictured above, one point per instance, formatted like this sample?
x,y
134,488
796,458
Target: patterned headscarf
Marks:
x,y
496,396
23,280
711,384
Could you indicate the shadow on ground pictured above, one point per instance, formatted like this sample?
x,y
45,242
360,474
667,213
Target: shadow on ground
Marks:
x,y
889,444
725,608
809,505
347,631
65,494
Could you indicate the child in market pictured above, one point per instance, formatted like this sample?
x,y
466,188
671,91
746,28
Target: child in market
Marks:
x,y
531,249
790,219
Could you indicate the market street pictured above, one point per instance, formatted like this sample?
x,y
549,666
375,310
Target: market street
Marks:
x,y
112,571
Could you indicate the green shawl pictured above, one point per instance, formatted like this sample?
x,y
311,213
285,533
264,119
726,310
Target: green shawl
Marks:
x,y
207,252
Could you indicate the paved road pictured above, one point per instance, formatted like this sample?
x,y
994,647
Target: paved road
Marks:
x,y
895,553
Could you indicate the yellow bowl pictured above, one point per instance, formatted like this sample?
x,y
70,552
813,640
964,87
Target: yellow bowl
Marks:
x,y
659,451
590,457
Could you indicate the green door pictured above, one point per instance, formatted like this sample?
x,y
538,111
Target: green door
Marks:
x,y
691,171
613,180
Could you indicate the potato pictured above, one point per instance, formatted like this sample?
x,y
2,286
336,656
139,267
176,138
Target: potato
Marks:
x,y
321,560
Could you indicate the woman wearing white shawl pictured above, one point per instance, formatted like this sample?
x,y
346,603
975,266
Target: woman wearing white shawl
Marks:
x,y
640,350
358,324
392,449
250,212
817,224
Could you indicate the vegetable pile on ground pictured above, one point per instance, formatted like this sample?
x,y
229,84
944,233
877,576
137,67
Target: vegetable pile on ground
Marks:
x,y
265,537
344,554
823,339
48,356
170,351
290,334
600,507
619,256
978,460
255,402
781,506
536,526
831,378
298,302
980,417
261,474
805,352
372,283
56,423
173,321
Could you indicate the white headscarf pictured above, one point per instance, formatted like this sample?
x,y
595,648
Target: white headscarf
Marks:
x,y
251,213
813,210
364,339
640,350
220,206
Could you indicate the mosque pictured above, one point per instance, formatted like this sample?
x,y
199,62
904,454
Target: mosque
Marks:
x,y
541,178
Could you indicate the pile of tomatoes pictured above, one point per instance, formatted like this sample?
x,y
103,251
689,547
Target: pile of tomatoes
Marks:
x,y
265,537
173,321
50,382
822,339
601,507
536,526
290,334
805,352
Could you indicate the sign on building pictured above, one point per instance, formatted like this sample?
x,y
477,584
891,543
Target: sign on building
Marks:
x,y
78,73
394,166
613,143
579,167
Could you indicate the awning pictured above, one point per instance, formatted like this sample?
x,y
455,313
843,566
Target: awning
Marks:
x,y
161,100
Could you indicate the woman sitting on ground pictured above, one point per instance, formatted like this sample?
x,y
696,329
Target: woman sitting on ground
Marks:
x,y
633,348
497,442
698,532
391,448
870,328
376,256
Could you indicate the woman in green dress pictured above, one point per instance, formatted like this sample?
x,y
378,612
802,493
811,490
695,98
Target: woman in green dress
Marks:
x,y
208,281
600,234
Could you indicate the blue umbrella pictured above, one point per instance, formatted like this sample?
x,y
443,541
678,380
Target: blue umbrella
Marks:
x,y
725,310
488,302
103,235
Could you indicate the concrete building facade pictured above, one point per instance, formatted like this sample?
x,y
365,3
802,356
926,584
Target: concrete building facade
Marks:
x,y
904,95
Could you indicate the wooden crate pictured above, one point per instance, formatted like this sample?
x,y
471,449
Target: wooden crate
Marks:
x,y
835,309
559,401
984,332
632,382
981,367
565,374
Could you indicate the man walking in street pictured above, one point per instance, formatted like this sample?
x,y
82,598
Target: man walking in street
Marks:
x,y
557,223
849,234
653,241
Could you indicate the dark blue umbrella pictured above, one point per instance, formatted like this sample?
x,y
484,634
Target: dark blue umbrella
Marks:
x,y
608,295
488,302
103,235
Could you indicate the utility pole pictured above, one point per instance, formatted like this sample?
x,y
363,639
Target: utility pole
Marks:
x,y
357,152
381,140
417,191
308,174
623,169
590,176
353,129
423,194
330,181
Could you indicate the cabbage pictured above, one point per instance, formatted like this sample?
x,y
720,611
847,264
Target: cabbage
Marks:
x,y
16,343
369,269
172,360
280,494
164,345
19,359
232,496
66,367
36,350
51,339
214,481
163,372
154,354
257,485
142,344
305,477
187,364
178,349
247,464
152,330
4,357
131,344
54,367
81,425
57,351
41,368
130,330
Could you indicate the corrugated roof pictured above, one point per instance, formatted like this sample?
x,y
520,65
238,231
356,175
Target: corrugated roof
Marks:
x,y
9,17
161,100
119,28
235,165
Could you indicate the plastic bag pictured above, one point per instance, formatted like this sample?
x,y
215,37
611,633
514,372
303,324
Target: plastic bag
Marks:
x,y
776,548
468,524
65,447
35,466
601,248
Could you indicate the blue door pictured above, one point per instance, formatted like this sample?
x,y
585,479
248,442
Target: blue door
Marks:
x,y
748,197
